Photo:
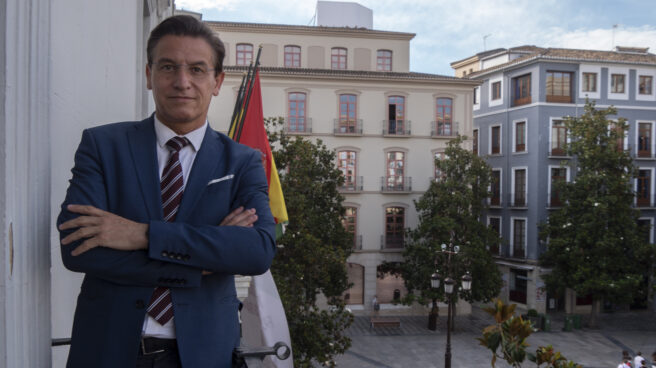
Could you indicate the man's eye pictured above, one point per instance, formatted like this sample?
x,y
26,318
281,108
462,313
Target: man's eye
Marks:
x,y
197,70
167,67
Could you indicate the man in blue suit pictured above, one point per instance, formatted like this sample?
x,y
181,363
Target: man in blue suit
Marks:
x,y
160,214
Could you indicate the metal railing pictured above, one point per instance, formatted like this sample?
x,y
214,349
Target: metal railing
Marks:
x,y
392,242
347,127
354,186
298,125
396,184
442,129
519,200
396,128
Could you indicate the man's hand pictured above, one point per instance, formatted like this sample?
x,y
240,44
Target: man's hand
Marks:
x,y
240,217
104,229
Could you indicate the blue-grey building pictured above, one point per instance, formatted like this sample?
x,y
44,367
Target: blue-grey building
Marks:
x,y
518,111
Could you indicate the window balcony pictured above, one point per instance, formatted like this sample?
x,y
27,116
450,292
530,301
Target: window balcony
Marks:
x,y
396,184
354,186
347,127
441,129
495,200
517,200
396,128
643,200
391,242
557,149
298,126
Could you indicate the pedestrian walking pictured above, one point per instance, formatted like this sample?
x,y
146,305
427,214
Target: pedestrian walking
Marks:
x,y
626,360
638,361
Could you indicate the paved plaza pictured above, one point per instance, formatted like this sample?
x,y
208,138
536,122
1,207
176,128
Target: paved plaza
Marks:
x,y
413,345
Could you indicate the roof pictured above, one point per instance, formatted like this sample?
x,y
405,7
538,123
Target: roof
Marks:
x,y
483,54
295,29
353,74
574,55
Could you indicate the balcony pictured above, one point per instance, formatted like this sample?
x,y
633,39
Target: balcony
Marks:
x,y
354,186
396,184
495,200
557,149
298,126
441,129
394,242
517,200
643,200
396,128
347,127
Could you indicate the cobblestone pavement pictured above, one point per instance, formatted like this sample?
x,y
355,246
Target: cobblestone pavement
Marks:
x,y
413,345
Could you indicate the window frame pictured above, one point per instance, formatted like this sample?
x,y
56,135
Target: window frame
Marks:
x,y
496,90
395,182
475,141
294,54
243,57
585,82
516,199
552,93
641,153
338,60
612,94
296,117
519,84
444,126
351,162
393,125
353,224
550,187
513,236
517,146
496,201
500,232
499,101
647,73
491,140
346,123
594,70
384,61
394,231
557,151
641,201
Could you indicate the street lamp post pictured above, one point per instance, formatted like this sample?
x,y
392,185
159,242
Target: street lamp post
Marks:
x,y
449,284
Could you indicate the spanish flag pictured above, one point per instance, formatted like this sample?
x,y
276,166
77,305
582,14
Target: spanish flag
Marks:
x,y
249,129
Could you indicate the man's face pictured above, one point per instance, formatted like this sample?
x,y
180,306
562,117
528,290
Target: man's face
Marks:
x,y
182,91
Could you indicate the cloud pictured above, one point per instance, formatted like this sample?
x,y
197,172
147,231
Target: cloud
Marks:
x,y
198,5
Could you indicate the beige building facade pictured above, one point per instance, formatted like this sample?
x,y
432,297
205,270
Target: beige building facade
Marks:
x,y
352,89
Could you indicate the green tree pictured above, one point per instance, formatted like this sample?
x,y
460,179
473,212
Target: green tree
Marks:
x,y
449,212
595,246
311,258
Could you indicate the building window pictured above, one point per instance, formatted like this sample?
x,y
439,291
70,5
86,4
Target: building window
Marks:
x,y
520,136
494,223
589,82
338,58
384,60
644,226
644,139
495,136
244,53
396,115
519,238
350,222
558,175
644,84
347,113
395,170
621,134
296,109
475,142
347,164
496,90
444,118
559,87
394,225
519,197
518,286
495,199
558,138
439,156
617,83
521,90
477,95
644,188
292,56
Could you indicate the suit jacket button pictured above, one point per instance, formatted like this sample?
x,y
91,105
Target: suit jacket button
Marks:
x,y
165,254
139,304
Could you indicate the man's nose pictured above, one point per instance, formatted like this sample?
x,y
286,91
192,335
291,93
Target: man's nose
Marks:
x,y
181,78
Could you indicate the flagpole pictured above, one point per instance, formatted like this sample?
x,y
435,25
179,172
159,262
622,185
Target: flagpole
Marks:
x,y
235,112
248,96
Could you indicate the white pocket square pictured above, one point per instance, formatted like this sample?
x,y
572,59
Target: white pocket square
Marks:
x,y
227,177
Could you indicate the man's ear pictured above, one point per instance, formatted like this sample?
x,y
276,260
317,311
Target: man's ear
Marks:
x,y
148,85
219,82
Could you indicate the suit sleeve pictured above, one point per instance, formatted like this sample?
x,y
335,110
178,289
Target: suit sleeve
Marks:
x,y
223,249
87,187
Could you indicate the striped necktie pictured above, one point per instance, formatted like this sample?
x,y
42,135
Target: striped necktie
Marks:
x,y
171,186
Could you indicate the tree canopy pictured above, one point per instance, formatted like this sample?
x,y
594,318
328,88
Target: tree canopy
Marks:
x,y
311,258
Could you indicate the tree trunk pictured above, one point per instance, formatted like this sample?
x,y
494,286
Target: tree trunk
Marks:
x,y
592,323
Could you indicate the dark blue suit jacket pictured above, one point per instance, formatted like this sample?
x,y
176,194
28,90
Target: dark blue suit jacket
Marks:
x,y
116,170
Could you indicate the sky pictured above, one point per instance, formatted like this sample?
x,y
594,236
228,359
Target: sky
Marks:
x,y
450,30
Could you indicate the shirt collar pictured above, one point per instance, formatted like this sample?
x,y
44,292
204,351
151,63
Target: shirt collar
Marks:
x,y
164,134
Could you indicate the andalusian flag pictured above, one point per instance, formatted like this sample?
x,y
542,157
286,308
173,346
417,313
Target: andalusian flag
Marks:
x,y
248,128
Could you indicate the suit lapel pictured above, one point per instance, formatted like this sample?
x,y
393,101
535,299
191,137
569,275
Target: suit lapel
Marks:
x,y
205,166
142,141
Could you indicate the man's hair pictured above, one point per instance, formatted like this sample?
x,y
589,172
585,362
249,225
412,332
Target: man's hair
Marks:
x,y
186,25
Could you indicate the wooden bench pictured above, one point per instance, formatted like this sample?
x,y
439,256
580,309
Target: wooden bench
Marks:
x,y
384,322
